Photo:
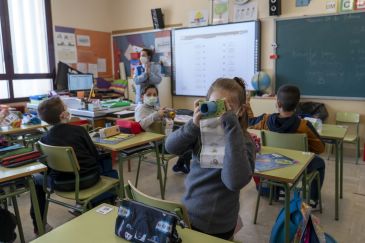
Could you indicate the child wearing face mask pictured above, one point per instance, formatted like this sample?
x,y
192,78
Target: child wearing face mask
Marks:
x,y
148,113
54,112
212,194
147,73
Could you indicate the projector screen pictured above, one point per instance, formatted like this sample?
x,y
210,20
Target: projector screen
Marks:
x,y
203,54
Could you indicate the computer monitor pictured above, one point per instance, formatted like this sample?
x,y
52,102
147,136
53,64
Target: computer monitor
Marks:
x,y
78,82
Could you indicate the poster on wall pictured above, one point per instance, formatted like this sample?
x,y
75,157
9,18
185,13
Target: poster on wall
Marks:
x,y
245,12
331,6
198,18
347,5
220,10
83,40
66,45
360,5
126,49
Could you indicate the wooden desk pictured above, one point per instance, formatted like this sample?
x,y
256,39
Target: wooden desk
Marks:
x,y
9,175
22,129
286,177
93,227
335,134
138,140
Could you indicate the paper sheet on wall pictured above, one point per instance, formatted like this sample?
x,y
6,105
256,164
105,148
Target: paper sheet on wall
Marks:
x,y
83,40
82,67
245,12
220,11
66,47
122,73
93,68
101,65
198,18
162,44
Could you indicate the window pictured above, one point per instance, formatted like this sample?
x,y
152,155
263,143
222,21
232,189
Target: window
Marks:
x,y
26,49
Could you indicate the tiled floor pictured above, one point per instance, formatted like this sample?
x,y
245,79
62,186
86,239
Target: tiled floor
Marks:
x,y
350,227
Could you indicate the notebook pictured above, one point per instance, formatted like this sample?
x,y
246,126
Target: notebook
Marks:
x,y
114,139
265,162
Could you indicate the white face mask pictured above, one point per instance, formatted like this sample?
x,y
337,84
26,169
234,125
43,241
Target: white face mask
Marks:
x,y
143,60
150,100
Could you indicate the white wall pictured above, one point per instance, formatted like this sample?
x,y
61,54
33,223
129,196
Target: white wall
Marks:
x,y
83,14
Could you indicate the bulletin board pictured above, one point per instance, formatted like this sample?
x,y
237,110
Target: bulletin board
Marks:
x,y
159,41
86,50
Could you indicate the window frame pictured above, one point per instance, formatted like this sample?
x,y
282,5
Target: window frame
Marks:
x,y
7,47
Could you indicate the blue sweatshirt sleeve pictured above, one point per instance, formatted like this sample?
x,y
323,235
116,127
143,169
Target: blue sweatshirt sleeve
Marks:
x,y
239,157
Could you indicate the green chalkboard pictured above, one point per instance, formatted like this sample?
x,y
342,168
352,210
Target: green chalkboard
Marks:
x,y
324,56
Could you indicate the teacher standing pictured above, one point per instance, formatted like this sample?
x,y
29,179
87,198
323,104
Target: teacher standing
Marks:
x,y
147,73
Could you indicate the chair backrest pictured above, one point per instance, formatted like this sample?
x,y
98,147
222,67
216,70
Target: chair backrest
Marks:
x,y
351,120
134,194
59,158
295,141
348,117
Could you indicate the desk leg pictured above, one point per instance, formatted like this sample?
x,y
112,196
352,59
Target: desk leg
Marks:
x,y
159,174
34,199
287,212
337,166
341,169
121,177
17,215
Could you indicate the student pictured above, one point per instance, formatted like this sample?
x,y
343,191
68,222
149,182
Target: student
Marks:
x,y
149,116
146,73
212,195
148,113
286,121
54,112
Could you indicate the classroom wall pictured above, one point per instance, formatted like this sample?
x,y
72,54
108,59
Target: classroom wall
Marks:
x,y
136,14
82,14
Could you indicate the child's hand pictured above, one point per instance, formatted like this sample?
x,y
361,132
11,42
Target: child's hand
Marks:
x,y
161,112
197,114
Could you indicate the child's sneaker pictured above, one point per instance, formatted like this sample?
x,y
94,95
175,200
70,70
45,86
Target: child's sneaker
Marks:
x,y
315,205
180,169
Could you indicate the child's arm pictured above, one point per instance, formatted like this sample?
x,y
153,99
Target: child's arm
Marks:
x,y
315,143
239,158
145,119
183,139
257,122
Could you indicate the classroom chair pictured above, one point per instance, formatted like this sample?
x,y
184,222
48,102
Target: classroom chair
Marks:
x,y
294,141
157,127
352,121
64,159
180,210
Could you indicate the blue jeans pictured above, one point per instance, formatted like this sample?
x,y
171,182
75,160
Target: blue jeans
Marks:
x,y
105,170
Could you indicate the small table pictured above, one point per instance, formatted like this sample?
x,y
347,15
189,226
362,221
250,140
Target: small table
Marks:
x,y
22,129
286,177
10,175
335,134
93,227
137,140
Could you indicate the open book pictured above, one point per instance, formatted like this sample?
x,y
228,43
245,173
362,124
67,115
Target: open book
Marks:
x,y
265,162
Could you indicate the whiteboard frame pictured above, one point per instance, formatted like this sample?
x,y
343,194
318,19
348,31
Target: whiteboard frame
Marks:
x,y
257,52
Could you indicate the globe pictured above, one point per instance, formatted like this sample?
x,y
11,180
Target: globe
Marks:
x,y
260,81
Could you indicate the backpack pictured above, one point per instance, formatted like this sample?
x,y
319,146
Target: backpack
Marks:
x,y
7,226
295,219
